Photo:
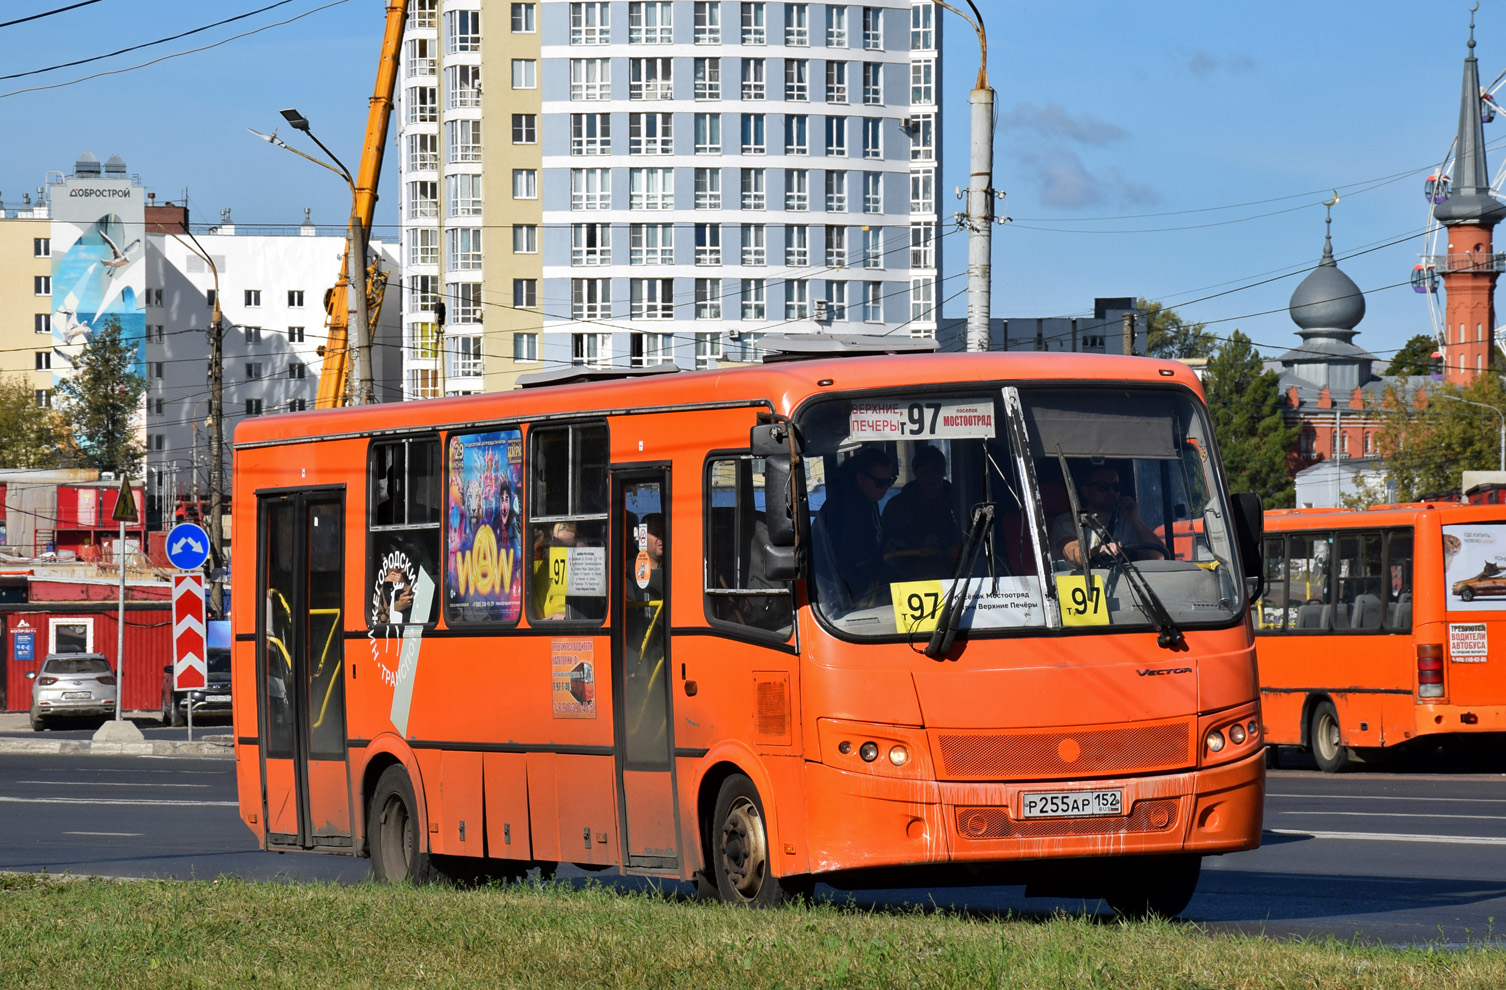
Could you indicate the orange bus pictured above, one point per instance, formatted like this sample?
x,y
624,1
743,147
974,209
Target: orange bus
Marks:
x,y
674,625
1375,627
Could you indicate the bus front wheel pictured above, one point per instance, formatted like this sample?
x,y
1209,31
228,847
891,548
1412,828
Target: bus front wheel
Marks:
x,y
740,850
1327,740
1155,887
392,829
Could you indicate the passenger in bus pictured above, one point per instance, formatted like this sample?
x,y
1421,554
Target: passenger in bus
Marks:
x,y
1099,493
548,594
921,534
853,571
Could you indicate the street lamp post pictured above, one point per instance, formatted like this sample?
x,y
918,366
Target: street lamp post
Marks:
x,y
1482,405
354,273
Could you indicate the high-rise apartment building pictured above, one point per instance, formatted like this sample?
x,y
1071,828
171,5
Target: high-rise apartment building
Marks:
x,y
630,182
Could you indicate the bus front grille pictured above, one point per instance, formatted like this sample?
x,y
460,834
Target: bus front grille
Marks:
x,y
1065,753
995,823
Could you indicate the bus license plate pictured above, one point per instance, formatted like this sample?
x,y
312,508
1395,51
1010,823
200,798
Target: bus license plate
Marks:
x,y
1073,804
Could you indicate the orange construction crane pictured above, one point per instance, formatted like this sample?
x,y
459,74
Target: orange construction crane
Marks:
x,y
334,380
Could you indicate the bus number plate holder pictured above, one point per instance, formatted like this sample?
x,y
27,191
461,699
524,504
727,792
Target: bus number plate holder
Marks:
x,y
1072,804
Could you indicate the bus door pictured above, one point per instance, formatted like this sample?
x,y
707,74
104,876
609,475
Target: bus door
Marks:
x,y
300,690
641,668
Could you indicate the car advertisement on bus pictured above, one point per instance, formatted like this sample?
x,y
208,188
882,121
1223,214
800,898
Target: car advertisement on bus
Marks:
x,y
485,507
1474,566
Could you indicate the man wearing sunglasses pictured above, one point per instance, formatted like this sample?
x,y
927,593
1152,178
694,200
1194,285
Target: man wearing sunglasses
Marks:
x,y
1100,495
850,522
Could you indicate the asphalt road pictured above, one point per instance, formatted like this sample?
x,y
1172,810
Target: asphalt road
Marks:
x,y
1393,858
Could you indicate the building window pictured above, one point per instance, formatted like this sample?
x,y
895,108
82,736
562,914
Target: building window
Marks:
x,y
836,192
253,370
649,349
797,134
467,302
796,247
154,297
156,333
296,370
590,79
836,247
590,134
922,27
650,79
464,139
873,254
836,82
295,298
156,370
423,292
923,137
873,29
525,73
708,299
465,353
421,56
922,246
592,350
651,244
873,87
43,397
923,192
797,190
651,134
797,299
423,201
253,407
923,81
423,152
708,244
44,360
873,192
462,196
651,189
797,80
253,335
708,189
652,298
836,26
922,298
708,23
753,196
755,305
525,129
590,189
525,183
295,335
754,25
253,298
836,300
753,79
708,78
590,298
525,18
423,383
41,323
464,244
836,137
708,348
41,285
873,302
298,405
425,338
873,143
525,347
797,24
590,244
708,134
463,30
754,249
462,86
525,293
650,22
423,105
591,23
41,247
754,139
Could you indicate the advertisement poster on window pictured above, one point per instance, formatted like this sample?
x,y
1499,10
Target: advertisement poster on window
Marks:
x,y
484,532
1474,566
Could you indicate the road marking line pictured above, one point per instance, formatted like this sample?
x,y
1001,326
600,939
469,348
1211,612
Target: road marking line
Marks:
x,y
141,803
104,783
1391,814
123,835
1463,840
1387,797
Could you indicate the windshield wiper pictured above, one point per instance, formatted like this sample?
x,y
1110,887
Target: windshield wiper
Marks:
x,y
955,604
1167,633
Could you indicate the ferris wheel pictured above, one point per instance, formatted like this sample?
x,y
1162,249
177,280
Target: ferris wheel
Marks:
x,y
1436,189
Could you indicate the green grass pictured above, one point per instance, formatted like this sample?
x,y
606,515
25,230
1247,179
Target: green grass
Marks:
x,y
229,933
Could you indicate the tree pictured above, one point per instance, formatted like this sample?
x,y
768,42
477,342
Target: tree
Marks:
x,y
1167,335
1415,356
1427,449
99,402
1253,437
29,434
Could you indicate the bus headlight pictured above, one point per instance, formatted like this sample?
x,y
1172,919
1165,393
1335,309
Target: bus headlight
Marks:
x,y
1215,741
1236,733
868,751
899,755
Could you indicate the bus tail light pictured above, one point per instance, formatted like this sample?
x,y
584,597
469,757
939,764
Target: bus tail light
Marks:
x,y
1430,670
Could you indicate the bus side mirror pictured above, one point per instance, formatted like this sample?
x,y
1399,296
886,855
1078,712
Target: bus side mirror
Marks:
x,y
774,442
1249,536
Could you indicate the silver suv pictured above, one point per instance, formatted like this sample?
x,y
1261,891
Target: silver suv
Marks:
x,y
73,685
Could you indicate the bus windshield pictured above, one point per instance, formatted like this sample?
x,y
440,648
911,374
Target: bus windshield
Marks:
x,y
893,483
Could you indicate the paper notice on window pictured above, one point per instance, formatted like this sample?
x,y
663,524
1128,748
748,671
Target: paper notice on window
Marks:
x,y
1468,642
587,573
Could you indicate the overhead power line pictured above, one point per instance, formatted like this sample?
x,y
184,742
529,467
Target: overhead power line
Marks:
x,y
47,13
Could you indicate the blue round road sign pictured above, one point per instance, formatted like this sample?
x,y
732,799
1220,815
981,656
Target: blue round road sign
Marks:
x,y
187,546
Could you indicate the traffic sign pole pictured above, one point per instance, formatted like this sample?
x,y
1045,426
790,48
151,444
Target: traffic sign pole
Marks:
x,y
125,511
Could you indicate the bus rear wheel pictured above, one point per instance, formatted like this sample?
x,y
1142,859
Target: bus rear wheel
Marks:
x,y
1327,740
1155,887
392,830
740,851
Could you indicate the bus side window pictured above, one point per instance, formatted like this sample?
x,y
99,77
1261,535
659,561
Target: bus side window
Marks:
x,y
738,592
403,531
1272,613
567,504
1399,581
1309,594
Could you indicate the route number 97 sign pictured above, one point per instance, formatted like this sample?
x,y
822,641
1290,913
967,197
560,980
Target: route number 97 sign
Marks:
x,y
921,419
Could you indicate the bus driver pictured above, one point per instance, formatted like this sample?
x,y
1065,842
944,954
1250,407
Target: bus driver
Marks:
x,y
1118,513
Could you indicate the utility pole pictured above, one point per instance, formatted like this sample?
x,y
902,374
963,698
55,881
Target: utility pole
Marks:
x,y
216,456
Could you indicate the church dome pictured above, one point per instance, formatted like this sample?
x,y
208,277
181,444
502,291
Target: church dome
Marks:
x,y
1327,299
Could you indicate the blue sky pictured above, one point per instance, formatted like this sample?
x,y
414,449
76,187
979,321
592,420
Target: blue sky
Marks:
x,y
1174,150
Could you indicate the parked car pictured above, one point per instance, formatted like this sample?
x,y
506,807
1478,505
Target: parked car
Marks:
x,y
214,697
71,685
